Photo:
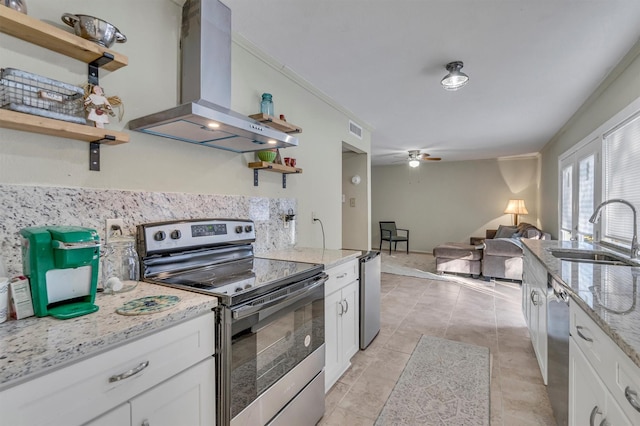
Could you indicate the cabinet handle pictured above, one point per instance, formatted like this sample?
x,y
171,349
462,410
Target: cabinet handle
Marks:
x,y
594,412
347,303
631,397
341,308
129,373
578,328
534,299
341,275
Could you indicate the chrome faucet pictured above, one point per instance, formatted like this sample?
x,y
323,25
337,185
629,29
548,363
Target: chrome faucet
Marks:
x,y
595,217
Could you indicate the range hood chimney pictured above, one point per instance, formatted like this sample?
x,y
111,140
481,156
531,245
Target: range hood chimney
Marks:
x,y
204,116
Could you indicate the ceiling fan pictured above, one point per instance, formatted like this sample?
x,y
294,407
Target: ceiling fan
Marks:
x,y
415,157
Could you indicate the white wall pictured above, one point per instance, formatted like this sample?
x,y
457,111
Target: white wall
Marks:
x,y
451,201
617,91
150,84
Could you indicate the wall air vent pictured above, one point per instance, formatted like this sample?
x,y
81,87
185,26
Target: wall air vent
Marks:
x,y
355,130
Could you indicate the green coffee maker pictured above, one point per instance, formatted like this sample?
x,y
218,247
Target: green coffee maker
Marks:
x,y
61,263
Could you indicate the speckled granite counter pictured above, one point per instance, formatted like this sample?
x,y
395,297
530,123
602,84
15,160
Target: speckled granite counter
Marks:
x,y
329,258
32,346
608,294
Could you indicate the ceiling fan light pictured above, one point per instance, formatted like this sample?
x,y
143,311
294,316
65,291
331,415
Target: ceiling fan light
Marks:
x,y
456,78
414,163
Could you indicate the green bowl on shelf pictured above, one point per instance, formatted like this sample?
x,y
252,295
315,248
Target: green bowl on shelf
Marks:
x,y
267,156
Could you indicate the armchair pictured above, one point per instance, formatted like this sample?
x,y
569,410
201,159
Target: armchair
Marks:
x,y
389,232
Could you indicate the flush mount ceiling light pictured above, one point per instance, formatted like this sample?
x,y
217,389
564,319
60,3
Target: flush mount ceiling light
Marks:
x,y
456,78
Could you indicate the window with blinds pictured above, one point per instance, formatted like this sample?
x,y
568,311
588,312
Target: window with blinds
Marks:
x,y
566,198
621,179
586,194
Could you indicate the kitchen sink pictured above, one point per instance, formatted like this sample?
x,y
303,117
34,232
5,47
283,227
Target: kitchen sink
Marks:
x,y
592,256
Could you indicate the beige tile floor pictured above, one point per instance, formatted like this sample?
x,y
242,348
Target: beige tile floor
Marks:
x,y
467,310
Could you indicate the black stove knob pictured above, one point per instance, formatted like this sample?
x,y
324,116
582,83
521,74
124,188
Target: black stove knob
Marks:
x,y
159,236
176,234
248,228
238,229
238,290
247,286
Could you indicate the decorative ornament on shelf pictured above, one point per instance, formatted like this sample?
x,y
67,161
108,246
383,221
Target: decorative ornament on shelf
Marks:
x,y
99,107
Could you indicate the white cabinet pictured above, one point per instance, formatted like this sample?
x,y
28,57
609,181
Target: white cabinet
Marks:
x,y
590,402
342,320
534,307
187,399
114,382
619,377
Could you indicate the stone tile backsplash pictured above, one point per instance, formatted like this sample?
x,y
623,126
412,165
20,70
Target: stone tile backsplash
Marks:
x,y
24,206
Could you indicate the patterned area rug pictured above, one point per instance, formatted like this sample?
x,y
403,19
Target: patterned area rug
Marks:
x,y
443,383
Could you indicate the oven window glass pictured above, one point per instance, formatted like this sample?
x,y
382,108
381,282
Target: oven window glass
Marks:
x,y
263,350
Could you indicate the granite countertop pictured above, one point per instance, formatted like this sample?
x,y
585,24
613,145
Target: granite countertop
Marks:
x,y
329,258
607,293
31,346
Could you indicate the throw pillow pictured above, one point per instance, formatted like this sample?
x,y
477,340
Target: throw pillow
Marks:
x,y
505,231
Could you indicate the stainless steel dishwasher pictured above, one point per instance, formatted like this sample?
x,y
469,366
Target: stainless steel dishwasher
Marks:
x,y
558,349
369,297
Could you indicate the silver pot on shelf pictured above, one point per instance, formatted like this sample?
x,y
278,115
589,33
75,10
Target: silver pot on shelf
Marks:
x,y
19,5
94,29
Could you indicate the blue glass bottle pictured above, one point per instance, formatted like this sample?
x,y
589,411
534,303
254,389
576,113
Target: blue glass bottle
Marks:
x,y
266,106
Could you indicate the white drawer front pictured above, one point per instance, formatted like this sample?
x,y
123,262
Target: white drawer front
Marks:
x,y
626,390
595,344
341,275
77,393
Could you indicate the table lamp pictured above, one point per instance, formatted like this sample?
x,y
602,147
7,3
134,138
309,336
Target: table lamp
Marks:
x,y
516,207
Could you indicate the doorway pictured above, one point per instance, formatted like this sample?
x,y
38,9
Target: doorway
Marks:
x,y
356,199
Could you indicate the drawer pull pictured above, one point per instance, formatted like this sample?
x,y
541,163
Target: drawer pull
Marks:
x,y
341,276
341,308
534,297
129,373
578,328
347,303
593,415
632,398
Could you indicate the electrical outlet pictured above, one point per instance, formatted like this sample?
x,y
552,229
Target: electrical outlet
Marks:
x,y
111,226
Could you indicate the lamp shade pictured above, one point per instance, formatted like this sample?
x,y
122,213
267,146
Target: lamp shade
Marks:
x,y
516,207
414,163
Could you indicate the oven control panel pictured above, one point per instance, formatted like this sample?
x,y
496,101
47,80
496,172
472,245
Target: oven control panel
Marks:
x,y
181,235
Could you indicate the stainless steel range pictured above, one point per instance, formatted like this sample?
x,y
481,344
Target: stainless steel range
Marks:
x,y
270,327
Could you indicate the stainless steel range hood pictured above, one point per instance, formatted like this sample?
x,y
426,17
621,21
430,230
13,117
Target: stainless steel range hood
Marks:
x,y
204,116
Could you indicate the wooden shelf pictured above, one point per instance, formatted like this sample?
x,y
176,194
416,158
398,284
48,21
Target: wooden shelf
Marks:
x,y
276,123
53,38
48,126
273,167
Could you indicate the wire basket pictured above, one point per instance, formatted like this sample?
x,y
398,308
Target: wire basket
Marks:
x,y
29,93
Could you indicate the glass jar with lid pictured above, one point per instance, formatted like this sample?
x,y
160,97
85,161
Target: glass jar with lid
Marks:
x,y
266,106
120,265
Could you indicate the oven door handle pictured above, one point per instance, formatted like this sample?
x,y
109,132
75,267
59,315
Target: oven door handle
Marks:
x,y
280,302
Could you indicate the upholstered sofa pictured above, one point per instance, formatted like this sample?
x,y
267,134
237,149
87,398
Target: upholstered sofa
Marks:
x,y
502,253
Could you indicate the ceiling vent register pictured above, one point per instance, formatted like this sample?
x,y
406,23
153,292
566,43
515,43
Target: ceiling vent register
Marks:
x,y
355,130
